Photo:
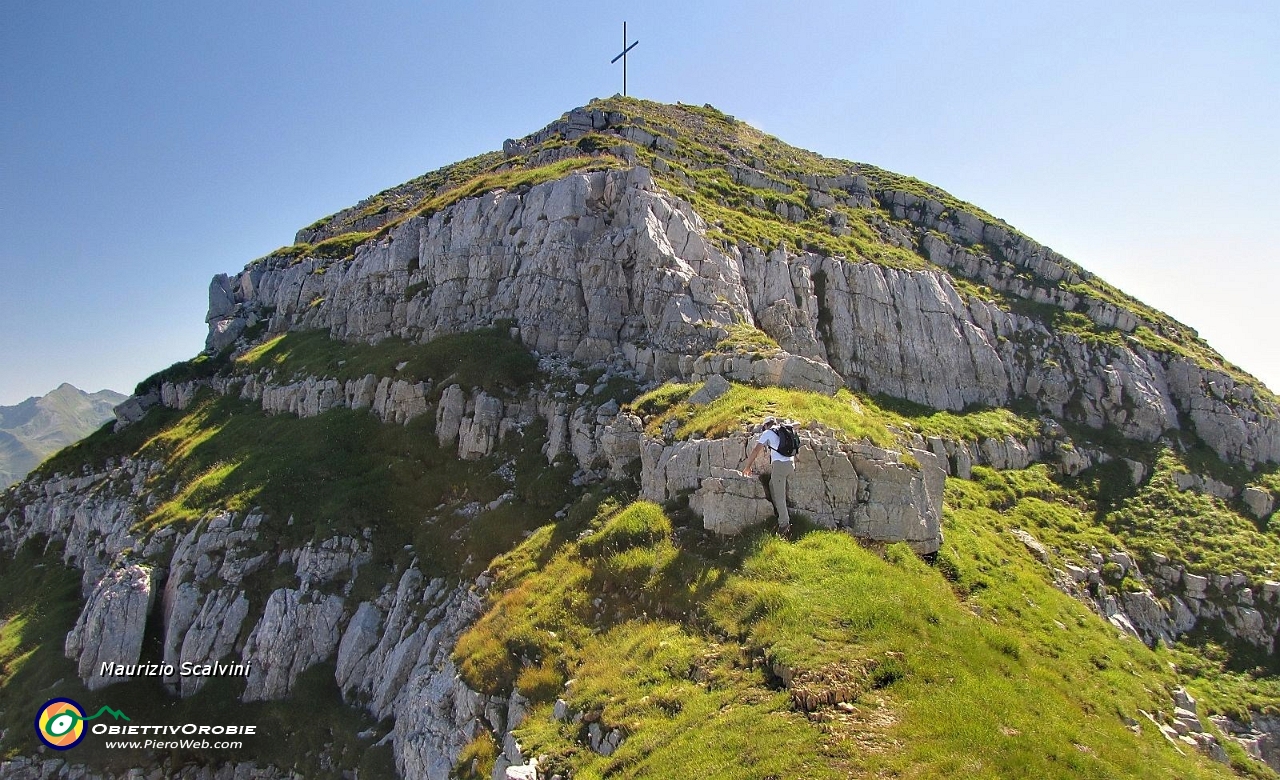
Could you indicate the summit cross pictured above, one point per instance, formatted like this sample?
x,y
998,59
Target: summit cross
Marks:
x,y
623,57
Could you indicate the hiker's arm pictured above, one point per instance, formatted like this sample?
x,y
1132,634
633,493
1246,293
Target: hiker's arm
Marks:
x,y
755,452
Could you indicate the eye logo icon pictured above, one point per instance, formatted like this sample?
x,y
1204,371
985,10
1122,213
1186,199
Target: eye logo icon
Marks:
x,y
60,722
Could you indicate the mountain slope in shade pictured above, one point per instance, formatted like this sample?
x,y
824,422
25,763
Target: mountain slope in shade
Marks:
x,y
38,427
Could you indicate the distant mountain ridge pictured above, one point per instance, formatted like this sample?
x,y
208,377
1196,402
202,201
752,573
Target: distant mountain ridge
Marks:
x,y
38,427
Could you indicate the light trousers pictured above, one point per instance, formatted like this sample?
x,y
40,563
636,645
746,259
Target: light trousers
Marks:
x,y
779,470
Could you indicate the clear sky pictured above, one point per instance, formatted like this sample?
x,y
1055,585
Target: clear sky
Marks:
x,y
147,145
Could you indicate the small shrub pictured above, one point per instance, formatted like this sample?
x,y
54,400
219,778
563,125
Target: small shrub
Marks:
x,y
888,671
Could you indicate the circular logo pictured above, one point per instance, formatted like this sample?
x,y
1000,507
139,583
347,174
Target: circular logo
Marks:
x,y
60,724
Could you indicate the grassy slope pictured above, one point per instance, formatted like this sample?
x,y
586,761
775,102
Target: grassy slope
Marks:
x,y
338,473
986,671
881,421
979,685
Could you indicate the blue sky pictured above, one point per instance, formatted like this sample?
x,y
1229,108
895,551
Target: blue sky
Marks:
x,y
146,146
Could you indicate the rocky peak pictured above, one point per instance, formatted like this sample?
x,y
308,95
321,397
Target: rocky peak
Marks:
x,y
930,300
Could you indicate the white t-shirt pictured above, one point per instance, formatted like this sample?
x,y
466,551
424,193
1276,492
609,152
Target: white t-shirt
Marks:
x,y
770,439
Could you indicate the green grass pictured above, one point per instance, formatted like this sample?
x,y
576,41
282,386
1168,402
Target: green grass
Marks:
x,y
744,405
743,338
404,197
436,192
199,367
968,677
881,421
516,177
340,247
487,358
342,472
39,603
1208,534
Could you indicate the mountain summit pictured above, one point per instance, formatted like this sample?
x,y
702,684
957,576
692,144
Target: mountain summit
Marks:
x,y
38,427
456,490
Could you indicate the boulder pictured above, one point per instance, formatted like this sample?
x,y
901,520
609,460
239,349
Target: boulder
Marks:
x,y
620,442
713,388
110,628
1259,501
1037,549
899,501
730,503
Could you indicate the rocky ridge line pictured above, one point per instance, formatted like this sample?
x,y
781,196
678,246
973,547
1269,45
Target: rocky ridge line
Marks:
x,y
605,265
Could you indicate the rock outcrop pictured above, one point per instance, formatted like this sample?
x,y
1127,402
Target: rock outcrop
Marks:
x,y
394,658
607,264
297,631
109,630
204,605
874,493
92,514
1169,601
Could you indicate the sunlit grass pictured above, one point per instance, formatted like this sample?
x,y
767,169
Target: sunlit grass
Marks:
x,y
993,673
853,416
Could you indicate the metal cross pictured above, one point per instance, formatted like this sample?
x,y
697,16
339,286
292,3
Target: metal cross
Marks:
x,y
623,57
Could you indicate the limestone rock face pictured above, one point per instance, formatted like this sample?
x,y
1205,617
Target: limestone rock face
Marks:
x,y
394,657
782,370
94,514
204,605
606,264
898,502
1152,621
110,628
392,400
872,492
730,503
296,631
620,443
581,264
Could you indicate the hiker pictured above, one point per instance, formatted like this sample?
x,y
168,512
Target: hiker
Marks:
x,y
783,443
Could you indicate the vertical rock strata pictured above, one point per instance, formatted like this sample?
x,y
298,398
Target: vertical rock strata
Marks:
x,y
606,264
109,630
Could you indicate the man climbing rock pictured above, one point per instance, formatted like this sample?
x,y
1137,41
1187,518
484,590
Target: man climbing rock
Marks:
x,y
781,441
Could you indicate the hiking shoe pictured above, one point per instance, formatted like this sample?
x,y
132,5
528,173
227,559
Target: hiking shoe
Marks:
x,y
785,533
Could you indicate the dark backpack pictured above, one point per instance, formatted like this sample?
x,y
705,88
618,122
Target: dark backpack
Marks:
x,y
788,441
